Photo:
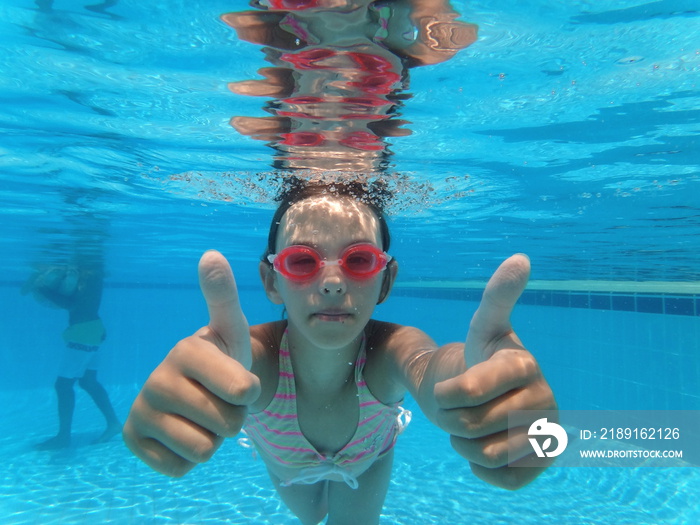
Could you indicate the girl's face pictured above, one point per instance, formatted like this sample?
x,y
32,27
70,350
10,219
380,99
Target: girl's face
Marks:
x,y
331,309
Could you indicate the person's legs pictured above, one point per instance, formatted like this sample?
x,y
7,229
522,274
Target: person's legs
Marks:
x,y
99,395
308,502
66,406
364,504
342,504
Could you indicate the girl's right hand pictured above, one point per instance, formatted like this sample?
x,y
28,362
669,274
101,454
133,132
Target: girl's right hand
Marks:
x,y
200,392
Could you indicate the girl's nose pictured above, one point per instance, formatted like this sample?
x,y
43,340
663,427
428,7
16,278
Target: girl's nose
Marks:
x,y
332,282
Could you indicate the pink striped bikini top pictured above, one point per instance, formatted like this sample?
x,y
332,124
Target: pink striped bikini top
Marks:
x,y
276,433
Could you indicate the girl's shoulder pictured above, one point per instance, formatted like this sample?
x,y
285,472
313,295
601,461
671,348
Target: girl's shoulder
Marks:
x,y
265,342
385,335
395,357
266,337
378,332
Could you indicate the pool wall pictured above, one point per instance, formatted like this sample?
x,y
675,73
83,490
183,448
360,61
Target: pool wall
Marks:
x,y
600,351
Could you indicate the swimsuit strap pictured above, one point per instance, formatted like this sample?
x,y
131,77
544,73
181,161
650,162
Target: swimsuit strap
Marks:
x,y
360,363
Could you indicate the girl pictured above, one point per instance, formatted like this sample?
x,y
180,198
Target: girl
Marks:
x,y
319,392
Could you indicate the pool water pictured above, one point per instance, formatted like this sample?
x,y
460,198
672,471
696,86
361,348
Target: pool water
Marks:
x,y
431,484
567,131
104,484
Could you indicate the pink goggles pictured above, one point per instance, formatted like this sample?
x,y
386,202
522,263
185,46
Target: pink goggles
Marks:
x,y
302,263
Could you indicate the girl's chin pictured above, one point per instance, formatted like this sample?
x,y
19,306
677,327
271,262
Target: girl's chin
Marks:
x,y
331,333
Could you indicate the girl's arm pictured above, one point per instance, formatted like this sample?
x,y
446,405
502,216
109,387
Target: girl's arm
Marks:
x,y
469,389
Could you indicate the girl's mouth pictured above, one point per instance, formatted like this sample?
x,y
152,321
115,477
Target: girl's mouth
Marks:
x,y
332,316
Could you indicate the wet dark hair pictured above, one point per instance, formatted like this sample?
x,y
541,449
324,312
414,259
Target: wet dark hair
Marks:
x,y
374,195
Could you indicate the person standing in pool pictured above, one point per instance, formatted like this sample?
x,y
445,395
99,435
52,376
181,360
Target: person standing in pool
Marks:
x,y
319,393
76,288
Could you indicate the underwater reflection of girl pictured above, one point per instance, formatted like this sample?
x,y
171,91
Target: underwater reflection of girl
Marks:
x,y
340,74
319,393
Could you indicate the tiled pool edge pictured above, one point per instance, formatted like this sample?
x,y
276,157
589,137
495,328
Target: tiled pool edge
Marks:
x,y
655,303
537,294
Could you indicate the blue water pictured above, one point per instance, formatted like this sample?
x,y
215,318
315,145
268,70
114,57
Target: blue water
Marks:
x,y
568,131
607,360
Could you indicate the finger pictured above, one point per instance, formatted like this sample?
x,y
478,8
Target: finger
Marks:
x,y
158,457
226,318
153,453
504,459
493,416
166,443
507,370
182,437
198,359
492,319
495,450
176,394
481,420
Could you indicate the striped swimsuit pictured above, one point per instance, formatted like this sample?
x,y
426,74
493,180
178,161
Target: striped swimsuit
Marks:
x,y
276,433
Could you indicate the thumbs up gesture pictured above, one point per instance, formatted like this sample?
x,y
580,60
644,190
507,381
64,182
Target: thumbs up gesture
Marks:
x,y
200,392
501,376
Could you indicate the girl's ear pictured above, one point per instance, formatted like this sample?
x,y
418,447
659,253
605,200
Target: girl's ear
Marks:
x,y
389,277
269,281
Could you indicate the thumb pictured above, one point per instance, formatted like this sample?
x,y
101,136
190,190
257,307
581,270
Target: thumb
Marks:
x,y
226,318
491,320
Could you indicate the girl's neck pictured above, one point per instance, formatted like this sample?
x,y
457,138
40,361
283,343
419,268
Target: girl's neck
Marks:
x,y
323,369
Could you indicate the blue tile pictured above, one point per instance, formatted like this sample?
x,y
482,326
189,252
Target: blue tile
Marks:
x,y
600,301
679,306
684,305
560,299
543,298
650,304
472,295
623,303
528,297
579,300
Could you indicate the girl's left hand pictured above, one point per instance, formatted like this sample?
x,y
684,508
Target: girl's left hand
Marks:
x,y
502,376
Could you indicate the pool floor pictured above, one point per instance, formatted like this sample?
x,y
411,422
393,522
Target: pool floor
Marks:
x,y
431,484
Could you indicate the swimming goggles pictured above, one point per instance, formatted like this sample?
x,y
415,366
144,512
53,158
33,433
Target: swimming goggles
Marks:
x,y
302,263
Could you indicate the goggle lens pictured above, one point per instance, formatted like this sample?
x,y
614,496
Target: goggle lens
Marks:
x,y
361,261
301,263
